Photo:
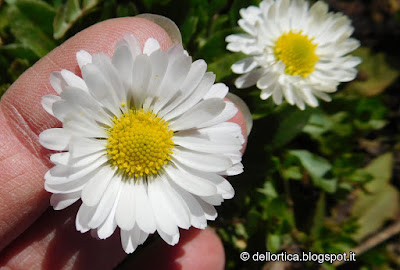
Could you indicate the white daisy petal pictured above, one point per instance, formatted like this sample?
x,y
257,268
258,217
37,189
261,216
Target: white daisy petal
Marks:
x,y
173,79
219,130
171,239
197,217
187,140
82,125
177,207
108,227
229,111
145,139
200,113
106,203
65,159
60,173
83,58
85,146
209,210
218,90
57,81
61,201
48,101
191,183
55,139
198,93
72,80
123,61
143,237
83,217
65,187
100,88
82,101
132,43
111,76
150,46
125,215
159,65
96,185
144,212
140,81
244,66
234,170
165,223
249,79
202,161
128,242
213,200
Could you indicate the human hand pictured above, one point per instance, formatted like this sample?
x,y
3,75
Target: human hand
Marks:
x,y
30,236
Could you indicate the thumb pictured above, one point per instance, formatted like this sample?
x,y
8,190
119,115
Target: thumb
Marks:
x,y
23,161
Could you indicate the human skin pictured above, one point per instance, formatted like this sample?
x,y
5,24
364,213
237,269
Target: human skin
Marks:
x,y
32,234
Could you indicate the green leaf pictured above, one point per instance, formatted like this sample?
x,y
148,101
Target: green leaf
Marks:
x,y
28,33
188,28
268,190
293,172
370,114
317,167
39,13
291,122
215,47
69,13
319,216
375,73
274,242
18,51
381,201
220,22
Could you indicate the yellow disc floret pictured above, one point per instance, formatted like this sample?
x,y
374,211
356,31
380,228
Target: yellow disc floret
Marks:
x,y
139,143
297,52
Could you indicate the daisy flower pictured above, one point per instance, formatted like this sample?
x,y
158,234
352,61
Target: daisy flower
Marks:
x,y
144,142
296,52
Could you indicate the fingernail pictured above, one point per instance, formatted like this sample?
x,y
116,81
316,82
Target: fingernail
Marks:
x,y
168,25
244,109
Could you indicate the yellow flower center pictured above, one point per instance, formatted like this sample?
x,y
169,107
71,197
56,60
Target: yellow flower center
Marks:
x,y
139,143
297,52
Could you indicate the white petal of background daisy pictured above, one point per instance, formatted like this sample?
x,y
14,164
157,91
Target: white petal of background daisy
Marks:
x,y
144,142
295,51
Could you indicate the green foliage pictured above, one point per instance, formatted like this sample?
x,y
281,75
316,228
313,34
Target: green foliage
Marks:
x,y
312,180
375,74
377,203
68,14
29,24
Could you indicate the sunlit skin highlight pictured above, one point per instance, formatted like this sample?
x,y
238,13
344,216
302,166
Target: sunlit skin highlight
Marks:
x,y
139,143
297,52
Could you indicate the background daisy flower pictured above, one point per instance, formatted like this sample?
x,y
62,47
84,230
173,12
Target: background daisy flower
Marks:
x,y
296,52
144,142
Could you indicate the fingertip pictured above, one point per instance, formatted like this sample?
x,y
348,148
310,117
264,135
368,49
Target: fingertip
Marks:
x,y
204,251
167,24
196,250
243,117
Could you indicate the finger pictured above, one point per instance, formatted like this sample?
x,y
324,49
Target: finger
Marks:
x,y
23,162
197,250
53,243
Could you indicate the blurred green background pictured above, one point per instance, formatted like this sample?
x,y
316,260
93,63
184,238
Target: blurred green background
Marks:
x,y
320,180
